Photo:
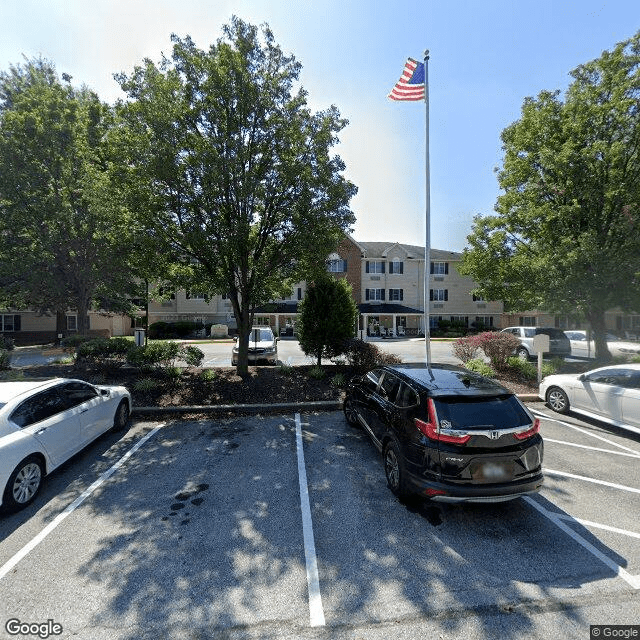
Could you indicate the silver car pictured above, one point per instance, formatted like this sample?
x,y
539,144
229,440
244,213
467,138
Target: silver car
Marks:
x,y
263,347
583,348
611,394
559,344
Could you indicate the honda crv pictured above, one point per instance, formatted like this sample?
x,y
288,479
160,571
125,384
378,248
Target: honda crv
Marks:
x,y
447,433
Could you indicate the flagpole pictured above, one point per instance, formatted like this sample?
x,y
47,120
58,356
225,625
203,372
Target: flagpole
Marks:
x,y
427,247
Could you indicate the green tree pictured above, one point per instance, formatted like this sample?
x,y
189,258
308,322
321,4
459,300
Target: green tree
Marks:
x,y
566,237
231,170
63,230
327,317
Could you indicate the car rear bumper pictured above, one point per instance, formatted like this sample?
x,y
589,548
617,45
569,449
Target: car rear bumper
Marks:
x,y
447,492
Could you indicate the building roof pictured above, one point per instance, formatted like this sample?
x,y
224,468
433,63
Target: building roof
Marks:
x,y
382,249
387,308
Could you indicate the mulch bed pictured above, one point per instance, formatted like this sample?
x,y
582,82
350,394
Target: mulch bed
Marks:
x,y
264,385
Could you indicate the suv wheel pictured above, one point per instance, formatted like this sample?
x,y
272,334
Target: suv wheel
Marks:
x,y
558,400
522,353
394,469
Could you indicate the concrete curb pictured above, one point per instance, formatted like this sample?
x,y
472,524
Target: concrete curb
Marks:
x,y
319,405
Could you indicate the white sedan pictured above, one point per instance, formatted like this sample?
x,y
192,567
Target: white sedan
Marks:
x,y
44,423
582,348
611,394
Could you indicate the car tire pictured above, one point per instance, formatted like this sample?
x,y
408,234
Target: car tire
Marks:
x,y
24,484
121,419
394,469
557,399
522,353
350,414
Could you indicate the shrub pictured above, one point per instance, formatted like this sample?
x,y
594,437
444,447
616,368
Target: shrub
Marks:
x,y
74,341
7,343
317,373
498,347
465,349
5,359
285,369
338,381
480,366
192,356
105,352
155,355
145,384
208,375
363,356
529,370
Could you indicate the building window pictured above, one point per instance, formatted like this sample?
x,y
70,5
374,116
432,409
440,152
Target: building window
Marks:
x,y
72,323
337,266
397,266
460,320
374,294
440,268
527,321
484,321
396,294
439,295
299,293
434,321
261,321
9,323
195,295
374,266
478,298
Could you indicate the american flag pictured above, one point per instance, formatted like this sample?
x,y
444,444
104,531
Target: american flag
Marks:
x,y
411,83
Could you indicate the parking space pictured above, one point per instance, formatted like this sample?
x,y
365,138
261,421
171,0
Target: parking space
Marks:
x,y
199,533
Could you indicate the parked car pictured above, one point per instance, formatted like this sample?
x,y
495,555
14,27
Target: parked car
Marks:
x,y
611,394
447,434
559,344
583,348
44,423
263,347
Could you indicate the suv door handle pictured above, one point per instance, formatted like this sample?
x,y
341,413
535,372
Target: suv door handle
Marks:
x,y
40,431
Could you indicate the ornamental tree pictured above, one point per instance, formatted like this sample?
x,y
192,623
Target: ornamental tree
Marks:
x,y
566,234
231,172
328,316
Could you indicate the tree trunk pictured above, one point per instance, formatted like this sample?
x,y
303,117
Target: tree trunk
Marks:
x,y
597,322
61,324
243,320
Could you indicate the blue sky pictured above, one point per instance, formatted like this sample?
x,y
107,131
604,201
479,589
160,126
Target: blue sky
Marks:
x,y
485,58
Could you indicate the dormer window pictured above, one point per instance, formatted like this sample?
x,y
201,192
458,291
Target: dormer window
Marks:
x,y
396,266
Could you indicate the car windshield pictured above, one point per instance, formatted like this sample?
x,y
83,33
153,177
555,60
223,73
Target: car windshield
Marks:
x,y
501,412
260,335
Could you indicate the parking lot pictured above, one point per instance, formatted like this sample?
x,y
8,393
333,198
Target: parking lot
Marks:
x,y
205,531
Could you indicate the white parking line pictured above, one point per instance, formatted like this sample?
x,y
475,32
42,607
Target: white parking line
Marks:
x,y
597,525
30,546
316,613
613,485
633,581
584,446
588,433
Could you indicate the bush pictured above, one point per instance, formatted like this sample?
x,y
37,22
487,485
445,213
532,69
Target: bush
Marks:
x,y
363,356
74,341
105,352
529,370
498,347
145,384
480,366
338,381
317,373
192,356
285,369
155,355
208,375
5,359
465,349
7,343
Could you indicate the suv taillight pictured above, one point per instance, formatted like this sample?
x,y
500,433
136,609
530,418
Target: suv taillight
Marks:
x,y
430,429
523,435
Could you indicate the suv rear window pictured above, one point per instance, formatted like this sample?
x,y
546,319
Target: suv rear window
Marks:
x,y
556,334
501,412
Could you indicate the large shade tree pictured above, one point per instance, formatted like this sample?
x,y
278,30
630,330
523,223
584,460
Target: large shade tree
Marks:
x,y
232,172
63,229
566,237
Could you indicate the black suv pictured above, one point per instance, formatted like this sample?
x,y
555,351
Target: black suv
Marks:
x,y
447,433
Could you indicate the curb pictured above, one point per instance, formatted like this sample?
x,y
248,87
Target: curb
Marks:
x,y
319,405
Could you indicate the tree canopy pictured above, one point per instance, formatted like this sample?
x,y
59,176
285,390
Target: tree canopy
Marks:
x,y
232,170
328,317
566,237
63,234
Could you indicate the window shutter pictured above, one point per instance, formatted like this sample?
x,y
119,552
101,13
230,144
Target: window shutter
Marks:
x,y
402,267
431,267
383,267
344,266
430,294
16,323
446,268
401,294
446,294
367,268
366,291
382,294
391,267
